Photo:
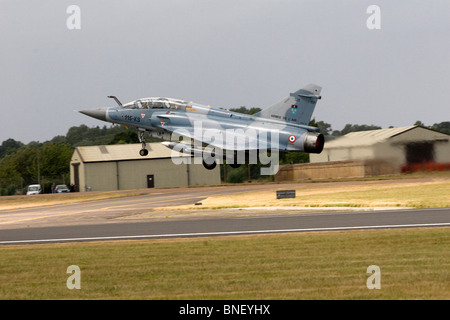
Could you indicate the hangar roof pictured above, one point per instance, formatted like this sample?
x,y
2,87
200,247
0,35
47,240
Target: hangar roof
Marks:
x,y
371,137
120,152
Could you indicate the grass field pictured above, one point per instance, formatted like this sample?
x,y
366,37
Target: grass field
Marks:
x,y
434,193
414,264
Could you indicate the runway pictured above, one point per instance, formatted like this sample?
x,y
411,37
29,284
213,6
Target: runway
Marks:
x,y
138,217
109,210
230,226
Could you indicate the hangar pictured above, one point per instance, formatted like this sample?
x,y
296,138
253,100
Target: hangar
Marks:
x,y
397,146
374,152
120,167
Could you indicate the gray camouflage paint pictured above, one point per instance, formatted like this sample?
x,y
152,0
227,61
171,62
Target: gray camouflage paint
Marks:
x,y
281,127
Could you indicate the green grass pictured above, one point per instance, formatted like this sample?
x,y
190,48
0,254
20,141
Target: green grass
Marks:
x,y
414,264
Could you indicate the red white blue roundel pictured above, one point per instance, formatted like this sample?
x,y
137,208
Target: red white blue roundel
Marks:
x,y
292,138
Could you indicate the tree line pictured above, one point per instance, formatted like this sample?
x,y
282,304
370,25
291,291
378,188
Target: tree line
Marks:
x,y
49,162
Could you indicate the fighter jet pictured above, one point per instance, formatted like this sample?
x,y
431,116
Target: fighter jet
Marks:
x,y
217,134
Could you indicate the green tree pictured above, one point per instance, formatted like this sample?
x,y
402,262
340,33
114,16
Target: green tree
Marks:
x,y
85,136
55,159
324,128
48,162
10,146
245,110
124,137
27,162
10,178
76,134
354,128
294,157
442,127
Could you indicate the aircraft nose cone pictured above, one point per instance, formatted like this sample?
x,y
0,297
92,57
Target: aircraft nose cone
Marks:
x,y
96,113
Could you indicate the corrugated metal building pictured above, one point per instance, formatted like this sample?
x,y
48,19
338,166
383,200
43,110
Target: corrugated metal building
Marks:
x,y
397,146
372,153
120,167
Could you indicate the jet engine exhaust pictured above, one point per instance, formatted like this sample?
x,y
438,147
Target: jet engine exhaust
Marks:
x,y
314,142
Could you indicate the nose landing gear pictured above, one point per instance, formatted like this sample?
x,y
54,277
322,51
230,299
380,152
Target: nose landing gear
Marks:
x,y
143,152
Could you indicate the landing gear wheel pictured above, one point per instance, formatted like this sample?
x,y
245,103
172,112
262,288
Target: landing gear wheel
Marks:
x,y
209,166
143,152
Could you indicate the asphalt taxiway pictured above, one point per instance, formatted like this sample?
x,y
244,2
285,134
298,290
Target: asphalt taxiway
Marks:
x,y
231,226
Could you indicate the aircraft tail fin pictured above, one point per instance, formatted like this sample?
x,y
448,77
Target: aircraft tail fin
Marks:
x,y
297,108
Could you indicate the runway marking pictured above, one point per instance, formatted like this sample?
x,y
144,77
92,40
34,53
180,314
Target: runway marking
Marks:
x,y
56,214
224,233
88,202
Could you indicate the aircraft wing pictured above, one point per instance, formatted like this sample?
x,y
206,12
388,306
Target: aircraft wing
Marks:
x,y
233,140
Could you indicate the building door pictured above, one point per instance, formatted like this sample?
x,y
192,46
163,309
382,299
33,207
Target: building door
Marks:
x,y
150,181
76,176
419,152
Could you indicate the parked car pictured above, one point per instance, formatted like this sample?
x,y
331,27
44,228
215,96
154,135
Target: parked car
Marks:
x,y
34,189
61,188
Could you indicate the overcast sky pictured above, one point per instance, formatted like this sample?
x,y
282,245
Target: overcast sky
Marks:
x,y
224,54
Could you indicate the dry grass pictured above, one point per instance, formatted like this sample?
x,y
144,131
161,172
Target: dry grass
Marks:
x,y
430,194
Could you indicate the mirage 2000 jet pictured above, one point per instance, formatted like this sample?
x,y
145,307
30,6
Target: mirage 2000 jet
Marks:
x,y
216,134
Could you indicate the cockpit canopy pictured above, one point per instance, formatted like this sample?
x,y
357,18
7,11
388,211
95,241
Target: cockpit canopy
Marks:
x,y
155,103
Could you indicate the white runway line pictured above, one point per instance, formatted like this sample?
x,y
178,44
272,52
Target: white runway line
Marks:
x,y
295,208
224,233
